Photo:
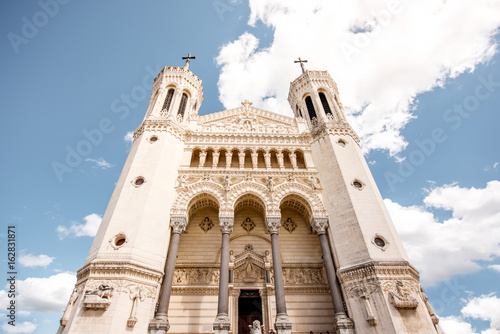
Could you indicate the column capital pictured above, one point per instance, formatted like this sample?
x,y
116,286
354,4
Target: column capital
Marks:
x,y
319,224
273,224
178,223
226,224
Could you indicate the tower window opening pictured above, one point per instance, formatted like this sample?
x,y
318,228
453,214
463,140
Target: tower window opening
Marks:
x,y
168,100
310,108
182,106
324,102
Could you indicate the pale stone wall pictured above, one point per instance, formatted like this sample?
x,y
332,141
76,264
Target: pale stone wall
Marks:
x,y
192,313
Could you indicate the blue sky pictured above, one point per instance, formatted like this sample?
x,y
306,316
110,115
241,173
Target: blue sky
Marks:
x,y
419,81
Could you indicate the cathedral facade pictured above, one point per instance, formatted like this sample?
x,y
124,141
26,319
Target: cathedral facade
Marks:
x,y
244,215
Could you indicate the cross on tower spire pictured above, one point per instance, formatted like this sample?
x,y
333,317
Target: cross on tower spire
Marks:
x,y
301,64
188,58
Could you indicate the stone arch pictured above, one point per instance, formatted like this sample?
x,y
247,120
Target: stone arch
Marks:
x,y
248,187
292,188
202,201
184,198
252,201
297,203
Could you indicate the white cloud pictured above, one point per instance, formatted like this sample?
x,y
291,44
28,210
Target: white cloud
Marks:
x,y
20,328
100,163
382,55
46,294
87,229
456,245
129,137
486,307
30,260
455,325
495,267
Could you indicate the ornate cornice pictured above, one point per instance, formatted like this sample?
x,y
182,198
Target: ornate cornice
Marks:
x,y
99,269
160,125
382,270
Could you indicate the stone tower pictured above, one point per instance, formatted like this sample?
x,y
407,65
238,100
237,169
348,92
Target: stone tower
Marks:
x,y
245,218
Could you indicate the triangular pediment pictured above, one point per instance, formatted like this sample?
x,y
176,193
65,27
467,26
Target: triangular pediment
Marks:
x,y
247,119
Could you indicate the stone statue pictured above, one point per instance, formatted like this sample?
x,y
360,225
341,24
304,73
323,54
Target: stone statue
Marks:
x,y
255,328
270,183
136,295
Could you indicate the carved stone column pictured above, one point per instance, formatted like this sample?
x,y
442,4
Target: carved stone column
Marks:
x,y
255,159
159,325
222,323
293,160
267,158
215,156
229,157
241,157
343,325
203,155
281,160
283,325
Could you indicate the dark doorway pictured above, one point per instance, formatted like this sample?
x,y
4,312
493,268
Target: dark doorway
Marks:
x,y
249,310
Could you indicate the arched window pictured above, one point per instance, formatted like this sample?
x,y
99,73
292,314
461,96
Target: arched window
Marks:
x,y
324,102
168,100
310,108
182,105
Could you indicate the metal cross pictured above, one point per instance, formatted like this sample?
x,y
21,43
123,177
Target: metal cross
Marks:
x,y
301,64
188,58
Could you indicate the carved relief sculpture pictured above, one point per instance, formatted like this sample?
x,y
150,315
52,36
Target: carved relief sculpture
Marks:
x,y
99,297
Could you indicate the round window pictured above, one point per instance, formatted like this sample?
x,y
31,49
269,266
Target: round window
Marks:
x,y
120,241
379,242
357,184
153,139
139,181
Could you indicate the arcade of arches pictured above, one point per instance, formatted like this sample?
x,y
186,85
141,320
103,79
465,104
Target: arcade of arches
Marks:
x,y
251,267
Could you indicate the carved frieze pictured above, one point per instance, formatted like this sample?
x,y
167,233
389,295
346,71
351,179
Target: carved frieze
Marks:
x,y
196,276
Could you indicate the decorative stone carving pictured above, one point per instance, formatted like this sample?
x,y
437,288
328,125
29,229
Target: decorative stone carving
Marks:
x,y
270,183
363,290
181,181
196,276
226,224
206,224
320,224
72,299
178,223
303,276
315,184
99,298
256,328
423,295
248,248
273,224
289,225
248,224
249,271
401,294
227,182
136,295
